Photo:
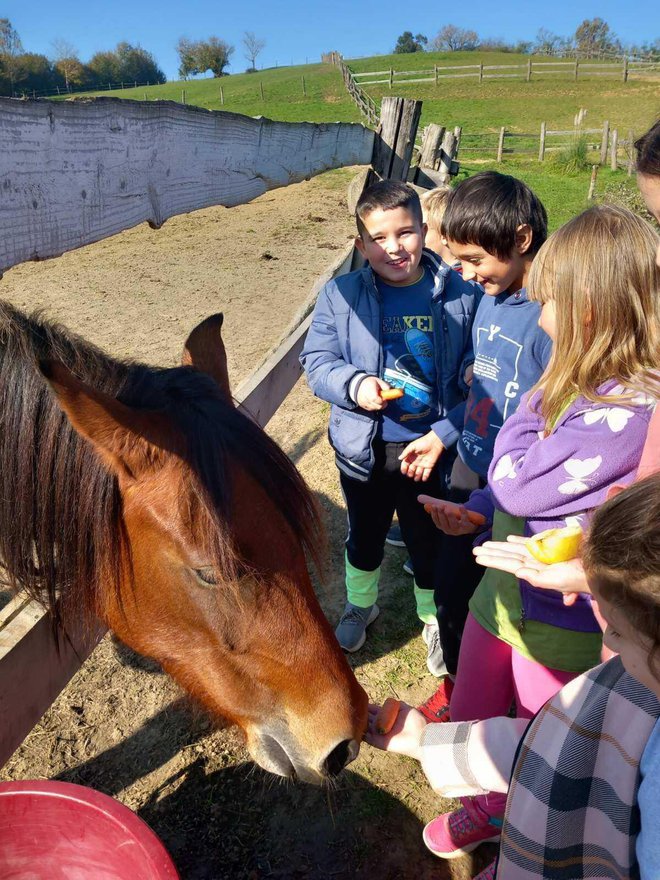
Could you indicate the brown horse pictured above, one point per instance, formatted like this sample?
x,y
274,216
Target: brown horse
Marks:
x,y
143,497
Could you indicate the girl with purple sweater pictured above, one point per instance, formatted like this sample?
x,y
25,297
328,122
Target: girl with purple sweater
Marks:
x,y
580,430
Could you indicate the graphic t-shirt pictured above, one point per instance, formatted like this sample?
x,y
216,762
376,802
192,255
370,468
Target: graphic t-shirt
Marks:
x,y
510,354
408,359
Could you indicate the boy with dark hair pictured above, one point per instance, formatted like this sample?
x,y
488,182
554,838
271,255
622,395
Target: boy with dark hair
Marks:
x,y
403,322
495,225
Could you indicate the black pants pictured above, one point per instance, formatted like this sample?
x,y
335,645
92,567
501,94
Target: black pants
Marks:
x,y
458,578
371,506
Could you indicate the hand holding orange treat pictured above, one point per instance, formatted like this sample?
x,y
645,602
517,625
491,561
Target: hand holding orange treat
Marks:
x,y
387,715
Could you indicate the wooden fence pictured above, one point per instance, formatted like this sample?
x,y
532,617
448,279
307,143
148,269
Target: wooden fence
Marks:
x,y
530,69
58,195
364,102
600,143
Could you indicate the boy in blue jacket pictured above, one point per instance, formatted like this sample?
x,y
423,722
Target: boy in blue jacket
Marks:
x,y
404,322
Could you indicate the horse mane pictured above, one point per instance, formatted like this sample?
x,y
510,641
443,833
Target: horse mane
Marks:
x,y
62,535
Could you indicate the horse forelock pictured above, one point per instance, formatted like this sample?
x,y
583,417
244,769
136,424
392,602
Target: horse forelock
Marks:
x,y
62,535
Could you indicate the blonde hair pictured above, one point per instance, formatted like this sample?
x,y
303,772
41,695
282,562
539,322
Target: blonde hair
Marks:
x,y
600,272
434,202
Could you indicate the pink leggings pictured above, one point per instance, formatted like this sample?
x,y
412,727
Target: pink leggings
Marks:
x,y
490,674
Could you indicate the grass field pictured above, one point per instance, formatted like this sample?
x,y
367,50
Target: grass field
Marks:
x,y
480,108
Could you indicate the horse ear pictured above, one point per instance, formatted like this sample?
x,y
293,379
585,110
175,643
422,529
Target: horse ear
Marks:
x,y
130,442
205,350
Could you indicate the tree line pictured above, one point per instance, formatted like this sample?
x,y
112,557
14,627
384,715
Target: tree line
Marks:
x,y
592,38
24,72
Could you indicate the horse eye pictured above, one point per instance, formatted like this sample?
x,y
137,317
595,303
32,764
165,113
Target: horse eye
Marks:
x,y
207,576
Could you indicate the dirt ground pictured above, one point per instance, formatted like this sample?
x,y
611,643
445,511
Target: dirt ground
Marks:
x,y
123,727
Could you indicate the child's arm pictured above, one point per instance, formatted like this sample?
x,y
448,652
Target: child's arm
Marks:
x,y
464,758
329,376
570,470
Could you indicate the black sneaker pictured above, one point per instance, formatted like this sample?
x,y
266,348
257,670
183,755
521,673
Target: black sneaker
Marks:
x,y
394,537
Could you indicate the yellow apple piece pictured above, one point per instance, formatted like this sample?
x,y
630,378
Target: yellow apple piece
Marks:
x,y
556,545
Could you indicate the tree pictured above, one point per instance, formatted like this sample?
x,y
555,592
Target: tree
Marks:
x,y
455,39
198,56
407,43
253,46
104,67
546,42
11,49
214,54
135,64
594,36
67,63
36,73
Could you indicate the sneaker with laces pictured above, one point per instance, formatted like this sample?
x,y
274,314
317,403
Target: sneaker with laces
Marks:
x,y
454,834
436,708
407,567
435,661
394,537
351,629
488,872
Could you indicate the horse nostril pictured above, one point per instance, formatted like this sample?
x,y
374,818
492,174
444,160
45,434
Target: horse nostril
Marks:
x,y
340,756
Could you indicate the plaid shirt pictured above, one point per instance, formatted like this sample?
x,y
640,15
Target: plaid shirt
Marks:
x,y
572,808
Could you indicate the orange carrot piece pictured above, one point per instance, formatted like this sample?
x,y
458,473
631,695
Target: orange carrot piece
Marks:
x,y
387,715
475,518
391,393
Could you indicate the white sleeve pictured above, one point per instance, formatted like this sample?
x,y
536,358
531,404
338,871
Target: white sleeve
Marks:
x,y
471,757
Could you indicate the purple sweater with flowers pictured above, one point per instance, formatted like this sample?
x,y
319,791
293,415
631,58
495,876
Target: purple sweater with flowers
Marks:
x,y
560,479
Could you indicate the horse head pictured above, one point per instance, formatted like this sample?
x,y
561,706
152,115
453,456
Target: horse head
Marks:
x,y
212,580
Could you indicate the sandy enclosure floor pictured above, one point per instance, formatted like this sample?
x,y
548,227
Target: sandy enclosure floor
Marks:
x,y
124,728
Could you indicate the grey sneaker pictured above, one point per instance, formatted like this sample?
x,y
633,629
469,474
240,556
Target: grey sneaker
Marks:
x,y
407,567
351,629
435,661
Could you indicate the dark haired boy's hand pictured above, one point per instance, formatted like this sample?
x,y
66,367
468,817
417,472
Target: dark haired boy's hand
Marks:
x,y
368,395
419,457
451,518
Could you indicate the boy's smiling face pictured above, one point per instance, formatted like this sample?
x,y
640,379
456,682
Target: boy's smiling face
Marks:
x,y
392,243
495,275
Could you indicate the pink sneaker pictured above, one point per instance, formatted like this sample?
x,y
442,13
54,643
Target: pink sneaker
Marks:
x,y
488,872
454,834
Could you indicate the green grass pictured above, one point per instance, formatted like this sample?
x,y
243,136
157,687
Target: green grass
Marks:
x,y
480,108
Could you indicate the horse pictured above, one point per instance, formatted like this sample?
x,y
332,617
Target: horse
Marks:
x,y
143,497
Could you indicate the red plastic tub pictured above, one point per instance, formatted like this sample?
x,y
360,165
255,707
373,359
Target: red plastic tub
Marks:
x,y
59,831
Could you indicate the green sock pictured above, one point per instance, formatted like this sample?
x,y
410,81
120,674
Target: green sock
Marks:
x,y
362,586
426,610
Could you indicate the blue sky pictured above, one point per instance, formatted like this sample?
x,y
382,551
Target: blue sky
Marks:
x,y
297,31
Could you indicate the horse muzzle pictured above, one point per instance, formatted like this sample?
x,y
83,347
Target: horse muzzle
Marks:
x,y
280,754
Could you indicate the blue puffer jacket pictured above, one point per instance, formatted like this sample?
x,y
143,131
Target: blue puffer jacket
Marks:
x,y
344,343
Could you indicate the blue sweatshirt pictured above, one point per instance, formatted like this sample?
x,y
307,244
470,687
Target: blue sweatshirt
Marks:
x,y
510,354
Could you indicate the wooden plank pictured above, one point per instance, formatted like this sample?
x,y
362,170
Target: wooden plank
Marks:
x,y
405,82
395,141
34,671
74,172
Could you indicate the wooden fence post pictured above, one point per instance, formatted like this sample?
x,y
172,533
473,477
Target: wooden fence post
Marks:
x,y
604,142
542,143
577,64
303,86
592,182
435,73
395,137
631,152
614,149
447,154
431,145
500,144
261,89
458,131
222,95
145,96
529,69
481,72
183,96
625,69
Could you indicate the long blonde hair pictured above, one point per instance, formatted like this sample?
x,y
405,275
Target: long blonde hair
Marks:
x,y
600,272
